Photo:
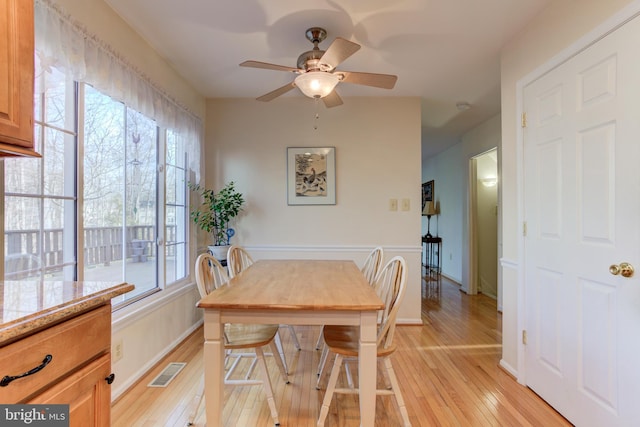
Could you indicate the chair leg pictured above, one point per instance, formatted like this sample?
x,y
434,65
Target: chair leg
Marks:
x,y
294,337
328,394
320,341
347,372
396,391
280,350
321,365
266,382
279,362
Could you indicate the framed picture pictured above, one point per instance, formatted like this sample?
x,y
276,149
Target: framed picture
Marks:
x,y
311,175
427,193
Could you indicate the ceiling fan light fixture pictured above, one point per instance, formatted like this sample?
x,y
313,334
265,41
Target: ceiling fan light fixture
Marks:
x,y
317,84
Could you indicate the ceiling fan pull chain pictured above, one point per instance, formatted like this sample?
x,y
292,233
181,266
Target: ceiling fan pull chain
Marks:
x,y
317,116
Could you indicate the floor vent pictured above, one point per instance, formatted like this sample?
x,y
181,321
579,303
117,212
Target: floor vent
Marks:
x,y
167,375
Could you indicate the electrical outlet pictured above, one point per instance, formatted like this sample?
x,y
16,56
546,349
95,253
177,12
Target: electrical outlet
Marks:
x,y
406,204
116,352
393,204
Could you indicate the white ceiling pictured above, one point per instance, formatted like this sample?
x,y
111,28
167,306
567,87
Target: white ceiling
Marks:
x,y
444,51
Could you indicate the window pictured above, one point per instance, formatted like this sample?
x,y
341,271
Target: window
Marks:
x,y
119,201
107,200
40,194
176,218
130,192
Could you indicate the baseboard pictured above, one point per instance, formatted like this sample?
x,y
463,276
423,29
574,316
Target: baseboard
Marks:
x,y
456,281
508,368
409,322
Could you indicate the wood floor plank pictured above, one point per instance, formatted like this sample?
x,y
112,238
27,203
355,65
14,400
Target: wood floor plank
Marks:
x,y
448,370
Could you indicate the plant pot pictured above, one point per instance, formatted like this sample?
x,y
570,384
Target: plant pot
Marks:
x,y
219,252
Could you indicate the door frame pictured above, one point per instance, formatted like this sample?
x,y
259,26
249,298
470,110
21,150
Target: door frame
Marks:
x,y
620,18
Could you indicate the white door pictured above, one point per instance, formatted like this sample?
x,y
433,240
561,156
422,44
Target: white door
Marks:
x,y
582,200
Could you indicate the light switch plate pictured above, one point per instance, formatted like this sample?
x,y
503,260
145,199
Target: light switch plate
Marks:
x,y
393,204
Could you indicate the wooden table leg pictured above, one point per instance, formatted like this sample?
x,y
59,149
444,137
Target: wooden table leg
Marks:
x,y
213,367
367,368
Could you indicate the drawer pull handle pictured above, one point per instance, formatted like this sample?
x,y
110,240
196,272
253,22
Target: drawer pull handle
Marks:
x,y
110,378
7,378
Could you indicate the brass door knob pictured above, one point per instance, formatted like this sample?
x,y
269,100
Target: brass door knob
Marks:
x,y
625,269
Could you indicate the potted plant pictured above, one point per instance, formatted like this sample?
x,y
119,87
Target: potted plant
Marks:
x,y
215,212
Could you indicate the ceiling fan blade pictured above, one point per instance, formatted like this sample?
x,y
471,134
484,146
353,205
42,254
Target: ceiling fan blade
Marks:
x,y
384,81
267,66
276,93
337,52
332,100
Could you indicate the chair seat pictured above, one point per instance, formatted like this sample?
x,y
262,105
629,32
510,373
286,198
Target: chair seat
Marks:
x,y
345,340
239,335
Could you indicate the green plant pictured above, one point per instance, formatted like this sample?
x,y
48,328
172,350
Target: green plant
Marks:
x,y
216,210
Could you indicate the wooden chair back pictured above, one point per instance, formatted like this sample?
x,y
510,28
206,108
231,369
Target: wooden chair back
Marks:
x,y
210,274
372,264
390,285
237,260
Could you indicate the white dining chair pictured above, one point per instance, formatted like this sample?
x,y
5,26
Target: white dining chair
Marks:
x,y
211,275
239,259
344,341
370,269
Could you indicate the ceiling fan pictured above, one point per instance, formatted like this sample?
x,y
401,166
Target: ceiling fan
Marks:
x,y
317,74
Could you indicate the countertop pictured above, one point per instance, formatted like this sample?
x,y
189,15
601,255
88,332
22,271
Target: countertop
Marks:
x,y
29,306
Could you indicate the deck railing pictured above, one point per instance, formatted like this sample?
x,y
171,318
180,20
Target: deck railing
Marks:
x,y
102,245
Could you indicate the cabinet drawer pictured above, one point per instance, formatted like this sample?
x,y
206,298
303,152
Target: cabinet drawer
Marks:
x,y
71,344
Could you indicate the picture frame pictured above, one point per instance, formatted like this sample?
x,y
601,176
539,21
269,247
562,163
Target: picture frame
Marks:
x,y
311,175
427,193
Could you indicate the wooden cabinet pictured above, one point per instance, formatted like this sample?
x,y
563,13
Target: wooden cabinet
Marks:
x,y
87,393
77,373
16,78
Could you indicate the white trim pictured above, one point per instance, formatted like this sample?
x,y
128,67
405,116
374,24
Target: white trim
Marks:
x,y
471,287
342,248
409,322
456,281
613,23
508,263
504,365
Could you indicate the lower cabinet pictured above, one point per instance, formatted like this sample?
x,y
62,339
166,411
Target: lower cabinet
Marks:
x,y
68,363
87,392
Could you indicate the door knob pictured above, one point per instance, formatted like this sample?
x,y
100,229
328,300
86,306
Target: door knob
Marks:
x,y
625,269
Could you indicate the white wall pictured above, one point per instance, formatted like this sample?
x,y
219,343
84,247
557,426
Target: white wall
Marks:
x,y
377,143
450,172
557,27
151,328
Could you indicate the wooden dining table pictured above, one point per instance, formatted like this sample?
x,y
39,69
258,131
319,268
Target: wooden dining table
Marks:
x,y
295,292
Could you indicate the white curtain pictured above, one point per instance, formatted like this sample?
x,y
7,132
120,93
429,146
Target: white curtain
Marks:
x,y
65,44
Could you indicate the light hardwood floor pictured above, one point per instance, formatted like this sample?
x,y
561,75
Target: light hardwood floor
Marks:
x,y
448,371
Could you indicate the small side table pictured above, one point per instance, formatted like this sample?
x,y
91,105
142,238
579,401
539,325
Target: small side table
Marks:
x,y
432,256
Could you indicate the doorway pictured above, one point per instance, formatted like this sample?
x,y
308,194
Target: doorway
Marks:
x,y
483,259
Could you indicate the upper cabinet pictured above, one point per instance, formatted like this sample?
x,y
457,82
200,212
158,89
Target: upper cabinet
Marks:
x,y
16,78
